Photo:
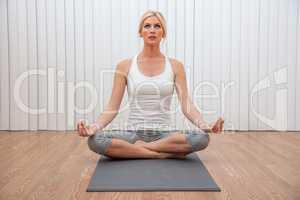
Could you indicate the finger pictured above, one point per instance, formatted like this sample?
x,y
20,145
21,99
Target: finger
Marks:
x,y
80,134
89,131
222,126
82,125
78,125
81,130
220,123
218,127
83,133
78,131
80,122
85,130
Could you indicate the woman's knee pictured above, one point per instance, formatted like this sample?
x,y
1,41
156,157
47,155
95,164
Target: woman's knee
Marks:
x,y
98,143
198,140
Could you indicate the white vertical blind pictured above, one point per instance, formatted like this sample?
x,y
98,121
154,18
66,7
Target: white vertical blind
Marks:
x,y
241,60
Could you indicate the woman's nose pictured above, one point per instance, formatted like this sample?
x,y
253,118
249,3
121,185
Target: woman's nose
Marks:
x,y
152,29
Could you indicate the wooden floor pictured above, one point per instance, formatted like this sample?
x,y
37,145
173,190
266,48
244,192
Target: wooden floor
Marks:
x,y
52,165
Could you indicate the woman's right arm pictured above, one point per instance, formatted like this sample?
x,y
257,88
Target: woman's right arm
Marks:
x,y
119,85
112,108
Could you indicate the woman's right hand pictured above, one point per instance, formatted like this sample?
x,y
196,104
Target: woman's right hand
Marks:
x,y
84,130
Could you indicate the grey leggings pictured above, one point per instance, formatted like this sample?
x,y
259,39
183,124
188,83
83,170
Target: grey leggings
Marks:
x,y
100,141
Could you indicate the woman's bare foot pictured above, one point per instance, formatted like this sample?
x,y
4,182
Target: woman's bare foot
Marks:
x,y
162,155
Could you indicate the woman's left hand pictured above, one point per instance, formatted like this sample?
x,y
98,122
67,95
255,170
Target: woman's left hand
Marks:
x,y
217,127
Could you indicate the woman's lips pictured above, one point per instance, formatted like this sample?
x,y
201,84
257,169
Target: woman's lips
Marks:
x,y
152,37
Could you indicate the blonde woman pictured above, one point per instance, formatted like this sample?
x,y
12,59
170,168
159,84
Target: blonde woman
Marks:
x,y
150,78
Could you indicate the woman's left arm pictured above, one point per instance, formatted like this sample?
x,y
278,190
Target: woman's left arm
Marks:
x,y
187,106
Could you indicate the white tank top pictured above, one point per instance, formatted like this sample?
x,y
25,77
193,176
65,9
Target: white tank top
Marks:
x,y
149,98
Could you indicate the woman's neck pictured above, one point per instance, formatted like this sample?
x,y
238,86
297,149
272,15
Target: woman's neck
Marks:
x,y
151,52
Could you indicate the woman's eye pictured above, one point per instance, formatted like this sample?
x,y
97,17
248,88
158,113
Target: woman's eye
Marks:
x,y
157,26
147,26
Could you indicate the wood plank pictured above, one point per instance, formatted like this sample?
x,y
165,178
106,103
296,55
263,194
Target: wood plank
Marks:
x,y
234,41
20,156
45,157
59,181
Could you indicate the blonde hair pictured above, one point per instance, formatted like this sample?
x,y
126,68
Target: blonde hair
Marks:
x,y
160,18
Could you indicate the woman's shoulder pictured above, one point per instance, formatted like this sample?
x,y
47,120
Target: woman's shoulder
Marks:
x,y
124,65
177,65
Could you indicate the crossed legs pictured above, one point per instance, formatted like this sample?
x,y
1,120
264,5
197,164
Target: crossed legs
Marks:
x,y
175,145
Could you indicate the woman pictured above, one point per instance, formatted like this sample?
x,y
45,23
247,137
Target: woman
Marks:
x,y
150,78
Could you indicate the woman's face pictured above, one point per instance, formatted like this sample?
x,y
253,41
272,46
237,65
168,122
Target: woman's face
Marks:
x,y
152,31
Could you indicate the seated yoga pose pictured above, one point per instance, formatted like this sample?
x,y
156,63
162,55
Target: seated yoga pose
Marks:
x,y
150,78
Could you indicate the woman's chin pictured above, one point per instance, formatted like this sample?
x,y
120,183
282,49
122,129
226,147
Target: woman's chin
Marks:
x,y
152,43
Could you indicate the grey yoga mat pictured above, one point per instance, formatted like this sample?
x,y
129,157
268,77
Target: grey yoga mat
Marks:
x,y
188,174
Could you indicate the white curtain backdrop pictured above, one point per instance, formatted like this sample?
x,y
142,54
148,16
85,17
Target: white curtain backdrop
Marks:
x,y
57,57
